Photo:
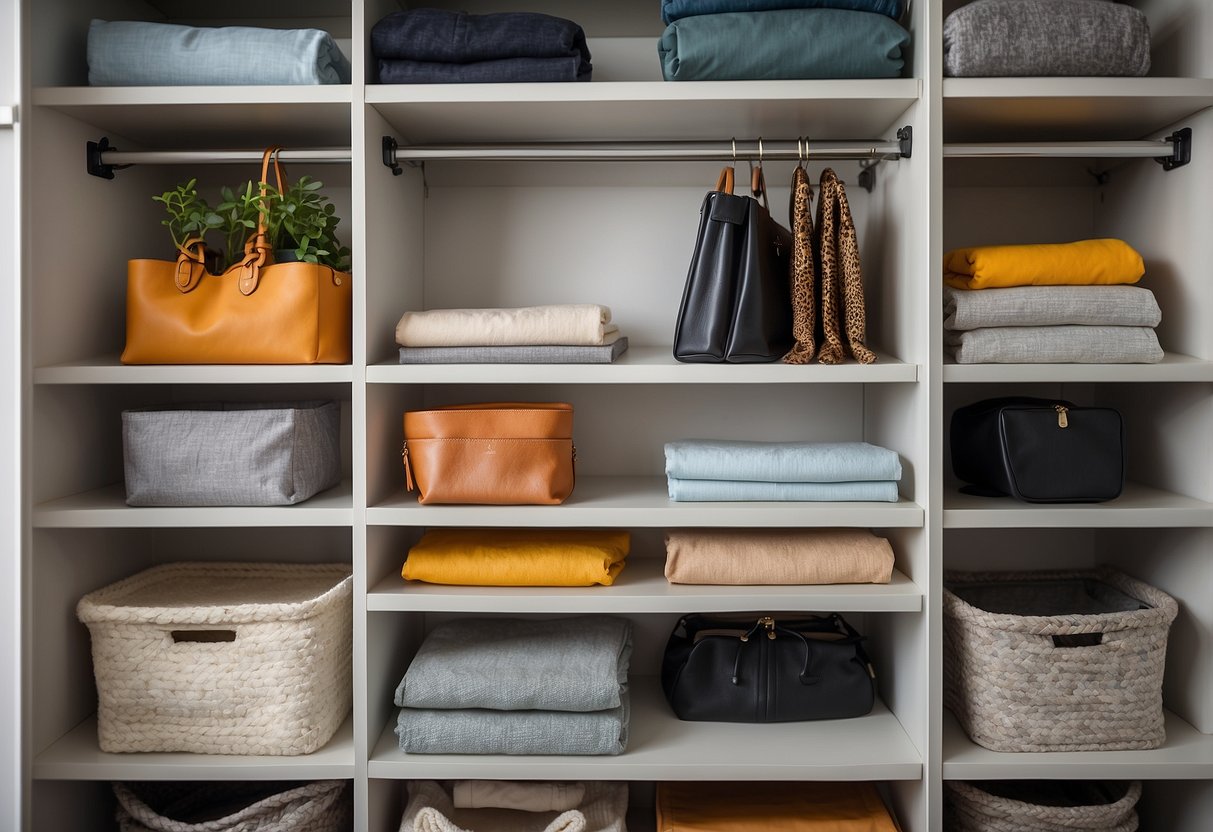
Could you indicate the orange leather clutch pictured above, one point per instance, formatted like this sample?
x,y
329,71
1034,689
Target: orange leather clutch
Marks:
x,y
496,453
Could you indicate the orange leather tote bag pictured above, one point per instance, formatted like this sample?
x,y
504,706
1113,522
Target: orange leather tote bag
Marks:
x,y
257,312
498,453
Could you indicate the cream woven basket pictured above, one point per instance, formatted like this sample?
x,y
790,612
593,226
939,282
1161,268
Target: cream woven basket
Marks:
x,y
1037,806
1056,660
323,806
222,658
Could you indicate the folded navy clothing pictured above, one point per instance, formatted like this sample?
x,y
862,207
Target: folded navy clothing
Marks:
x,y
503,71
460,38
672,10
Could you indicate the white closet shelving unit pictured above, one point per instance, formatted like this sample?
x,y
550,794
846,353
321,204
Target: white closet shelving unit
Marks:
x,y
470,233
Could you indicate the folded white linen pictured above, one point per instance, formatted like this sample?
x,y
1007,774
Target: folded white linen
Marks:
x,y
561,324
966,309
516,794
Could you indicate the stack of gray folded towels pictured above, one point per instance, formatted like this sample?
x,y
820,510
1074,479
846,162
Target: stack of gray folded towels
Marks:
x,y
433,46
518,686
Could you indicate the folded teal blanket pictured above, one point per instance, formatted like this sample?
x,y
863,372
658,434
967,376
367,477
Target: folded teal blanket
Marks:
x,y
130,53
786,44
433,731
511,664
788,462
672,10
732,491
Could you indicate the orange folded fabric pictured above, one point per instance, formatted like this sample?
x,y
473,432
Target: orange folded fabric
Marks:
x,y
771,807
518,557
777,556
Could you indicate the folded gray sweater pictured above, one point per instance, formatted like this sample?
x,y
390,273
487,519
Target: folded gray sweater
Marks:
x,y
511,664
1055,345
966,309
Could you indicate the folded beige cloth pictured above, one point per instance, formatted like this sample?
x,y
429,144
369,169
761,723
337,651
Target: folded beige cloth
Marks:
x,y
430,809
581,324
777,556
514,794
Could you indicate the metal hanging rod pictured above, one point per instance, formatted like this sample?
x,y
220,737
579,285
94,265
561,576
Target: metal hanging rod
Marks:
x,y
741,150
102,160
1175,151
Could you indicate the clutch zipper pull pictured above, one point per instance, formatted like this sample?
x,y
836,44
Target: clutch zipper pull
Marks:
x,y
1063,420
408,471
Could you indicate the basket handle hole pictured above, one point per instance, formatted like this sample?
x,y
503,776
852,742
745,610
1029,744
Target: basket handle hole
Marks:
x,y
1078,640
204,636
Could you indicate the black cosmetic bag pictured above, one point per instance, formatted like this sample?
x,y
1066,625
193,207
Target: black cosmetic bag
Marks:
x,y
752,668
1039,450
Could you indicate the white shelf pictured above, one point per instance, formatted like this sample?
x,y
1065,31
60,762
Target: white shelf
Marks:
x,y
641,588
1139,506
77,756
1187,754
166,118
661,747
644,110
109,370
1068,109
1173,367
644,365
643,501
106,508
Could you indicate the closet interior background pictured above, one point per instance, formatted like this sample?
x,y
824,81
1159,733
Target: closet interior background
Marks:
x,y
481,234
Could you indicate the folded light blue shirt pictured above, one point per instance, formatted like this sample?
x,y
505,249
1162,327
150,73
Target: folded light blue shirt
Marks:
x,y
780,462
733,491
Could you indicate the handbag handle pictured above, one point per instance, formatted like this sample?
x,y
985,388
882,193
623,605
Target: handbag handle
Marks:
x,y
724,182
257,247
772,631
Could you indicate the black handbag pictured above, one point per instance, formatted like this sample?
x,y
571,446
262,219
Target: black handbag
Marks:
x,y
1039,450
753,668
736,305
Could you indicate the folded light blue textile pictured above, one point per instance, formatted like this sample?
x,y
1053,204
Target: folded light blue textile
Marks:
x,y
672,10
792,462
732,491
787,44
536,354
432,731
510,664
130,53
503,71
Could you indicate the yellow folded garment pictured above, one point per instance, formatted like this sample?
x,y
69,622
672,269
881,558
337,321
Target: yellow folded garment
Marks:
x,y
517,557
771,807
1083,263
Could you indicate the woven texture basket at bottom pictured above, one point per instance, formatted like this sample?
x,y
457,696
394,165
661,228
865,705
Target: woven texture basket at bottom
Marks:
x,y
1087,681
1034,806
322,806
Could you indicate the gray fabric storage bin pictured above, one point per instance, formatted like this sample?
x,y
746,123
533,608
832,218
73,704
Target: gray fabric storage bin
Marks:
x,y
224,454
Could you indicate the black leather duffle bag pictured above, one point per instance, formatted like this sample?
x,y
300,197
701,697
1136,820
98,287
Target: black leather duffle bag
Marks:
x,y
766,668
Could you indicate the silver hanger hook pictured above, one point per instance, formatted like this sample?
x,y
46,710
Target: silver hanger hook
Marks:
x,y
760,151
800,151
734,150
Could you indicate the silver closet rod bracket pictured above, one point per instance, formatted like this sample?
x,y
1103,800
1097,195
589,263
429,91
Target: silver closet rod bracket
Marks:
x,y
639,151
101,159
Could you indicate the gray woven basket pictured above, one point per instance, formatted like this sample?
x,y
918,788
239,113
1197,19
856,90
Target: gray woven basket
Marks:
x,y
231,454
323,806
1056,660
1027,806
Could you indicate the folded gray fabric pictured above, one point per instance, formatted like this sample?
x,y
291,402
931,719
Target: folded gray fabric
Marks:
x,y
472,731
1055,345
691,491
138,53
540,354
966,309
1046,37
790,462
510,664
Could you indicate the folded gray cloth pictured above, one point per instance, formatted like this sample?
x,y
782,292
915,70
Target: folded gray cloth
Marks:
x,y
473,731
539,354
137,53
1055,345
1046,37
513,664
787,462
692,491
1049,306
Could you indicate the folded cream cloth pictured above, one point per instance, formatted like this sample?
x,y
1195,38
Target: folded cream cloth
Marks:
x,y
777,556
430,809
514,794
583,324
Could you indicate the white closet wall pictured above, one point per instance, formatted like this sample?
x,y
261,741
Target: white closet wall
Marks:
x,y
458,233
